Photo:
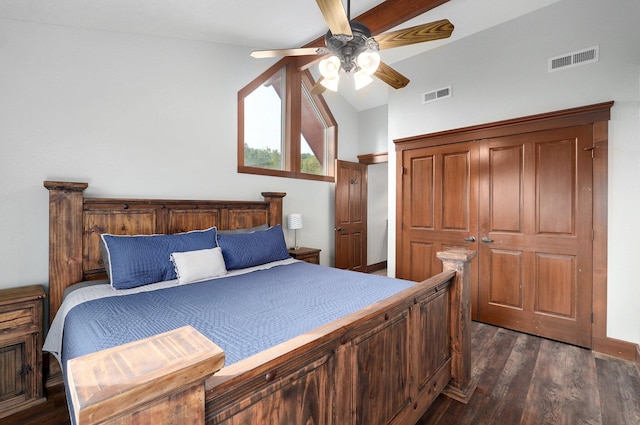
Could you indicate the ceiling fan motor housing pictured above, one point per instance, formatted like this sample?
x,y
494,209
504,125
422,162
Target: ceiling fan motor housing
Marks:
x,y
348,48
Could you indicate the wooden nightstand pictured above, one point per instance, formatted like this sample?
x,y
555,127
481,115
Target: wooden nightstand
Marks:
x,y
310,255
21,348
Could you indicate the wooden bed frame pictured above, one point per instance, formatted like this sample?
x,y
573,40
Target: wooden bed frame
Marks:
x,y
384,364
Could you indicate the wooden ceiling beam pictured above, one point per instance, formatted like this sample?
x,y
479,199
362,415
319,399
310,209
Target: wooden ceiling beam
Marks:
x,y
388,14
391,13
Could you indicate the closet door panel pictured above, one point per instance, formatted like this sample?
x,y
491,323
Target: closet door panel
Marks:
x,y
421,255
555,292
506,283
438,207
555,187
422,193
535,200
455,191
506,180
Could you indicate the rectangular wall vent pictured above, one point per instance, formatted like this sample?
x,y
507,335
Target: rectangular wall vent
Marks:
x,y
438,94
573,59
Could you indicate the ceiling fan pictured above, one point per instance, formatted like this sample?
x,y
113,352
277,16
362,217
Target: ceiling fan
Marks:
x,y
353,49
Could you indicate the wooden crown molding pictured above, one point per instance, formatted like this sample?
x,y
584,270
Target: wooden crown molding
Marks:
x,y
373,158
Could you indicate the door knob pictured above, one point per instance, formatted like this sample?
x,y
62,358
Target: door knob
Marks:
x,y
338,229
470,239
486,239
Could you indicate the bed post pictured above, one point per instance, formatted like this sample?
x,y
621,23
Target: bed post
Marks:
x,y
65,239
275,206
461,386
152,381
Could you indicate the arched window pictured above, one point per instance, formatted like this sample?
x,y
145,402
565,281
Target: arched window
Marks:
x,y
284,130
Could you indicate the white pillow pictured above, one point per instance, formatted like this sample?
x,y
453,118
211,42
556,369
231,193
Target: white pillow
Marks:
x,y
193,266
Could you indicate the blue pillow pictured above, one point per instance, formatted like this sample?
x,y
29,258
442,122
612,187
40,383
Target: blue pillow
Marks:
x,y
242,250
143,259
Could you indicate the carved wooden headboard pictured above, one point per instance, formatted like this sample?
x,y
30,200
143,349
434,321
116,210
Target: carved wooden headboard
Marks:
x,y
76,222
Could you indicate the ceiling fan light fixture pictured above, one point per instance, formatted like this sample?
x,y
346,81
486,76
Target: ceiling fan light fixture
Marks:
x,y
330,68
361,79
353,48
369,61
331,83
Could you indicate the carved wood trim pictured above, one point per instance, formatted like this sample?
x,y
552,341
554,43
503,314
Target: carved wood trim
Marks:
x,y
374,158
564,118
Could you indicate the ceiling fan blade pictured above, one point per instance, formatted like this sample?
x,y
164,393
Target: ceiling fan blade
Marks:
x,y
391,76
318,88
418,34
336,17
289,52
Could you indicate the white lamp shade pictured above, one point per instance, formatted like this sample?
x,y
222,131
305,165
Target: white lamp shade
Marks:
x,y
369,62
331,83
361,79
294,221
330,67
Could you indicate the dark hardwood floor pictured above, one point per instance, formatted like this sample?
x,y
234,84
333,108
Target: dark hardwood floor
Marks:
x,y
526,380
522,380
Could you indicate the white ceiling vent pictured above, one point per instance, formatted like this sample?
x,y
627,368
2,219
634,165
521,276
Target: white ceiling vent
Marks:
x,y
570,60
438,94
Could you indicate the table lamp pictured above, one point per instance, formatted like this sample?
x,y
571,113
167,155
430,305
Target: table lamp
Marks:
x,y
294,222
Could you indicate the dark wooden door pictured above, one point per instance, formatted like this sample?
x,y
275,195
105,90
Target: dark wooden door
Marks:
x,y
437,208
351,216
535,218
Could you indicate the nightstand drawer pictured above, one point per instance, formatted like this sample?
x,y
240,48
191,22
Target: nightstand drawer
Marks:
x,y
309,255
313,259
22,316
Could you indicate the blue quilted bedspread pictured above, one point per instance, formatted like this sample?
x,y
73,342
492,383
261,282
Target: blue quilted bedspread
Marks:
x,y
242,314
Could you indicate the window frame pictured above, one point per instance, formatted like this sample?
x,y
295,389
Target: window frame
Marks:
x,y
295,77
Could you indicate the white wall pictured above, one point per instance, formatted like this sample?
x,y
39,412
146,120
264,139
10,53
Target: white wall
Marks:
x,y
373,132
502,73
133,116
377,231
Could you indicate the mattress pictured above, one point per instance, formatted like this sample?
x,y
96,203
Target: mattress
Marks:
x,y
243,313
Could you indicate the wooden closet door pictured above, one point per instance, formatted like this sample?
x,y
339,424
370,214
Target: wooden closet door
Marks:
x,y
535,217
437,207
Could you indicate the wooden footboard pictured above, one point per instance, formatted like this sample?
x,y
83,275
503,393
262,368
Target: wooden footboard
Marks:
x,y
384,364
381,365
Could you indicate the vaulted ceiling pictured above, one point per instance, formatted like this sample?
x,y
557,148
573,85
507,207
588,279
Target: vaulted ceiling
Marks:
x,y
273,24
